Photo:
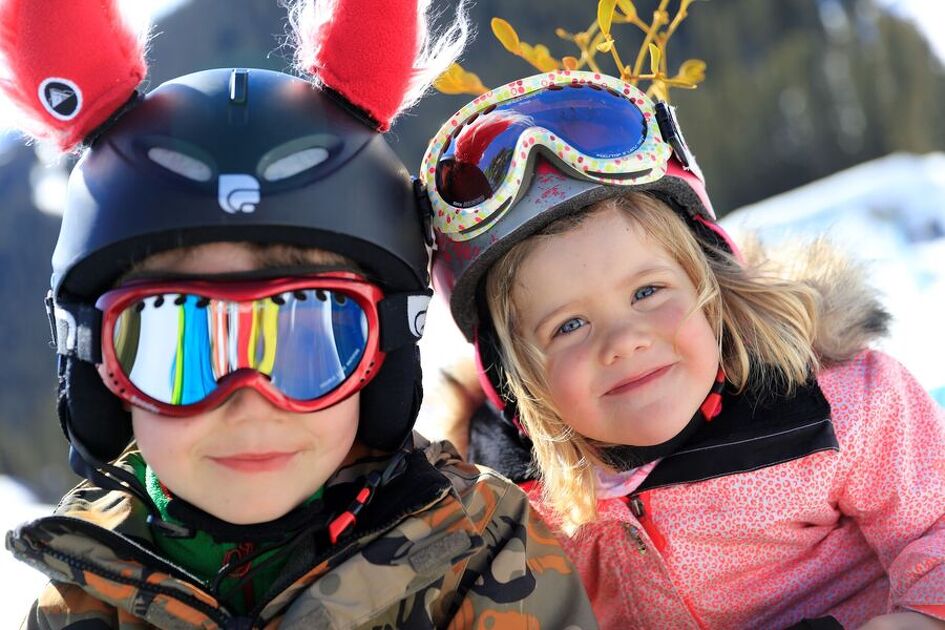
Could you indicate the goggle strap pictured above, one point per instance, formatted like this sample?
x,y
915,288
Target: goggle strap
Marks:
x,y
402,318
425,208
672,134
76,329
50,303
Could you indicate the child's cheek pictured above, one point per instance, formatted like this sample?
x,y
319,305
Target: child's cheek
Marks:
x,y
569,382
679,323
163,439
697,345
671,316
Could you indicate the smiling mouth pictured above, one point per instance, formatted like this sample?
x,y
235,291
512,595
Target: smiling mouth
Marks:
x,y
639,381
255,462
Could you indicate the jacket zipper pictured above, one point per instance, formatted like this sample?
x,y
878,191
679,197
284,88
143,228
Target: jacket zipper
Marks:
x,y
116,542
216,615
639,505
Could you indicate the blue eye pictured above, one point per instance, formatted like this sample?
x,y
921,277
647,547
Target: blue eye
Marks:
x,y
570,326
644,292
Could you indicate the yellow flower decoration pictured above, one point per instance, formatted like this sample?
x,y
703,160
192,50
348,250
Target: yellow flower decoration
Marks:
x,y
537,55
655,55
456,80
629,11
504,32
605,14
691,72
599,38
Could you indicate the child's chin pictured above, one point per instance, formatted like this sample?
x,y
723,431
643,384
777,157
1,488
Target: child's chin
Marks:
x,y
251,514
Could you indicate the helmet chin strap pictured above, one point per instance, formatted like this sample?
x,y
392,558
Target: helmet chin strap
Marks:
x,y
626,457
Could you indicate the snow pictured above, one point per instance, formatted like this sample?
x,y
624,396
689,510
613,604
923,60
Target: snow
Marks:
x,y
19,584
928,17
889,212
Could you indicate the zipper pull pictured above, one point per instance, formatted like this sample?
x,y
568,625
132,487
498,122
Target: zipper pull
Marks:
x,y
638,507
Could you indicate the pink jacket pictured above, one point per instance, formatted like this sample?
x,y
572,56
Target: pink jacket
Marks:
x,y
836,507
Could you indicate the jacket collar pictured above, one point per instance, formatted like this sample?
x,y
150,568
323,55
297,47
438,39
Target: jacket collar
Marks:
x,y
412,533
751,432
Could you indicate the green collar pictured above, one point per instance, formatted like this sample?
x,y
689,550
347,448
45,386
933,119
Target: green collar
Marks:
x,y
204,557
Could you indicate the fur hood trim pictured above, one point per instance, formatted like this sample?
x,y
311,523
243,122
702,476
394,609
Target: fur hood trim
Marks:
x,y
851,314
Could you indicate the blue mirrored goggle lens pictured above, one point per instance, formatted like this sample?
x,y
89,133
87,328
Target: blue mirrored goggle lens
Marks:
x,y
177,348
597,122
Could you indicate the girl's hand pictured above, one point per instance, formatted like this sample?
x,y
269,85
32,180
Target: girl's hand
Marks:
x,y
903,621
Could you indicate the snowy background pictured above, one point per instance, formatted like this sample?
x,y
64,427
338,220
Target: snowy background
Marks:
x,y
19,584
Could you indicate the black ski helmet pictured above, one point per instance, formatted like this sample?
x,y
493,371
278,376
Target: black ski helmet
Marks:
x,y
235,155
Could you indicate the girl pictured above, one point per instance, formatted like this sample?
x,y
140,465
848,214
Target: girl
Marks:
x,y
716,442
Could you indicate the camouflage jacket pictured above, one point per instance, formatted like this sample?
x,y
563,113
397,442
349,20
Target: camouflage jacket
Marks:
x,y
445,545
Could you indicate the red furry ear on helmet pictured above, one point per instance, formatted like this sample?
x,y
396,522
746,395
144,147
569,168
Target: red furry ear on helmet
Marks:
x,y
377,54
68,66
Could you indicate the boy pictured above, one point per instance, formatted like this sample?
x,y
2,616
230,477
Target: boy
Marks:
x,y
239,285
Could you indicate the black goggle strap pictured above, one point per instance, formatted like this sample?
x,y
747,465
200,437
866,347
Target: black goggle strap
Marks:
x,y
425,208
76,328
266,273
672,135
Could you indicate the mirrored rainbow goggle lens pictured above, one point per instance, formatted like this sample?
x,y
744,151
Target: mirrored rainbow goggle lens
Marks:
x,y
597,121
176,348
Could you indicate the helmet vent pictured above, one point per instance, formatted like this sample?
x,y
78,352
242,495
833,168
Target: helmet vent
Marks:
x,y
180,163
295,163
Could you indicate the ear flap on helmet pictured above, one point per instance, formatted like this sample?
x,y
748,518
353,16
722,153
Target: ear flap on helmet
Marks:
x,y
92,418
492,374
391,401
497,437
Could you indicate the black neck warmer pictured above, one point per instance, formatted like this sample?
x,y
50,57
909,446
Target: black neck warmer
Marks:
x,y
311,515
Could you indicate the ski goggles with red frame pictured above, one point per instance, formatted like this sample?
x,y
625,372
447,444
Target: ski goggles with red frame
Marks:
x,y
179,348
592,126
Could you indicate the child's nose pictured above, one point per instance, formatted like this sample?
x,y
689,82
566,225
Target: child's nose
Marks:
x,y
623,339
248,404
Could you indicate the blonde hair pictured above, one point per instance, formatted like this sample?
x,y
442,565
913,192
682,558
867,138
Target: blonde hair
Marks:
x,y
765,326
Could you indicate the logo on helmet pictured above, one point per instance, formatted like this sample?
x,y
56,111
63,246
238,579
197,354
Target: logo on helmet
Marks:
x,y
238,193
61,98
